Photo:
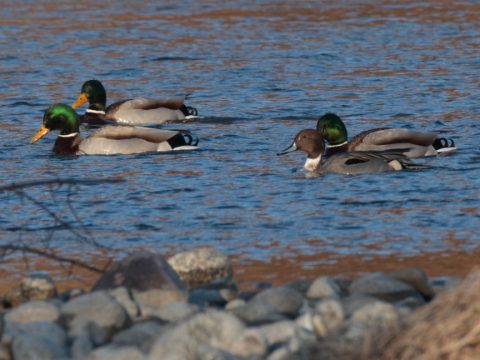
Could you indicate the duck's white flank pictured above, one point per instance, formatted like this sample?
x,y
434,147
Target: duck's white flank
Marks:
x,y
395,165
446,150
312,164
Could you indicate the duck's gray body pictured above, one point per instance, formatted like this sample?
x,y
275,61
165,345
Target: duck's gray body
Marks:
x,y
146,111
111,140
361,162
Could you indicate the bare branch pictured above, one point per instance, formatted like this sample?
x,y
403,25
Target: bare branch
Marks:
x,y
48,254
59,181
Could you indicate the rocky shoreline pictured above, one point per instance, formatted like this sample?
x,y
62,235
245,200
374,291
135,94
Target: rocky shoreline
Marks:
x,y
189,307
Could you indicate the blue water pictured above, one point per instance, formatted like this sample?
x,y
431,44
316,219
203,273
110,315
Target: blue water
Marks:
x,y
258,71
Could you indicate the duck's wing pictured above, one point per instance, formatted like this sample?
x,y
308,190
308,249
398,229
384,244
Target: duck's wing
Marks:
x,y
147,111
128,132
374,139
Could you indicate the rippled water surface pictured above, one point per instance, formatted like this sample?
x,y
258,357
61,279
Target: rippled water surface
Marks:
x,y
258,71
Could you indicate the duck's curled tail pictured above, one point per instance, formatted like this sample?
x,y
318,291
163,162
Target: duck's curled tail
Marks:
x,y
444,145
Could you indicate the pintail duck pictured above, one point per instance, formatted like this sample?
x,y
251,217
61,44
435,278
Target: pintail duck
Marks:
x,y
108,140
355,162
136,111
419,144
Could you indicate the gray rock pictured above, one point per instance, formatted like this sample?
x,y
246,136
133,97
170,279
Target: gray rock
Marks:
x,y
257,313
301,285
213,328
354,302
365,334
99,308
327,317
149,301
250,342
296,348
81,347
410,303
89,329
236,303
38,340
382,287
33,311
277,332
5,353
416,278
324,287
211,353
376,318
284,300
117,353
305,321
140,271
140,335
38,286
201,266
14,297
211,297
174,311
125,298
33,347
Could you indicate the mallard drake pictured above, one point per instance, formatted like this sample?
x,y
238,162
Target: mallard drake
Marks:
x,y
355,162
419,144
129,112
108,140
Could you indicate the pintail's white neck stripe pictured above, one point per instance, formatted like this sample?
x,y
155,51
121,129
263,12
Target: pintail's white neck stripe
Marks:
x,y
68,135
338,145
312,164
91,111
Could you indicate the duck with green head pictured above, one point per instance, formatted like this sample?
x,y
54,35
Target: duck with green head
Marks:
x,y
419,144
130,112
108,140
355,162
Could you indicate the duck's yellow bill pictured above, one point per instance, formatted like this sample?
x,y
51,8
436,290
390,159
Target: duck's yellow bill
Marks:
x,y
82,99
40,133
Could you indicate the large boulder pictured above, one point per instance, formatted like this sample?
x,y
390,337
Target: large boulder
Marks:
x,y
141,271
201,266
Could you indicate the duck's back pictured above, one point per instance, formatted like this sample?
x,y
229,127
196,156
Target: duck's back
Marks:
x,y
381,139
146,111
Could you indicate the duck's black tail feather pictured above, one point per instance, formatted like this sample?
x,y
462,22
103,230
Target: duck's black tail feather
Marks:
x,y
443,143
183,138
189,110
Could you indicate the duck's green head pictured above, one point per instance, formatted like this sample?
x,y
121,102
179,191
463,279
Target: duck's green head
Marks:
x,y
59,117
332,128
93,92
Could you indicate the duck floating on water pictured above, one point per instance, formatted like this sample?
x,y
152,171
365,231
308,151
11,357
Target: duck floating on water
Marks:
x,y
108,140
355,162
419,144
136,111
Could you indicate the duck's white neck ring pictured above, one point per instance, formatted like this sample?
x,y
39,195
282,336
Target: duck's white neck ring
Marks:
x,y
312,163
91,111
68,135
338,145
